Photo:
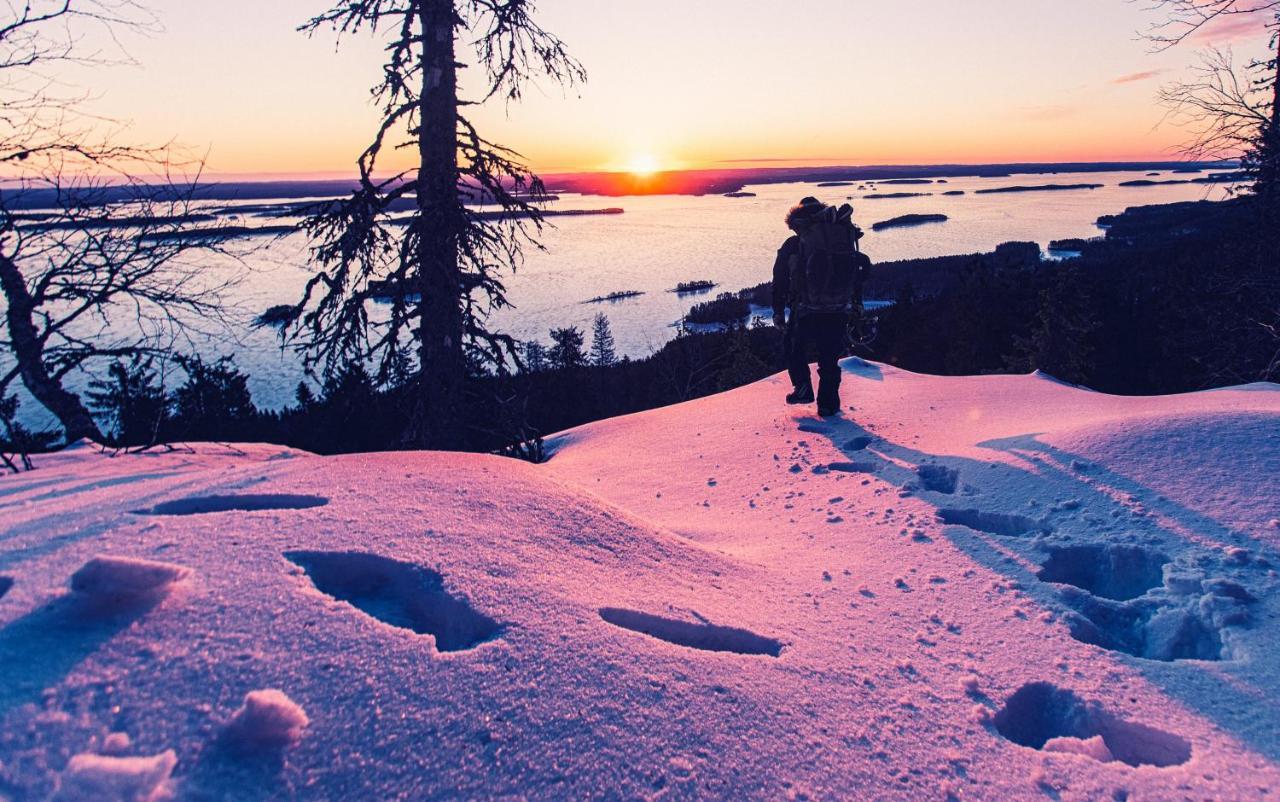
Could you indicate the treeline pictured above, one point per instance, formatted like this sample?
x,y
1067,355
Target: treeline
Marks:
x,y
567,382
1175,299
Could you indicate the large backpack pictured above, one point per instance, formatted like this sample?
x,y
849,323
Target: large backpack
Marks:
x,y
832,269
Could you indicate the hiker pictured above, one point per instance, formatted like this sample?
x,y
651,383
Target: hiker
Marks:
x,y
818,276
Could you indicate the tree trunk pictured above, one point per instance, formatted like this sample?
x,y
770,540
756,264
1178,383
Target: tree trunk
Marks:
x,y
29,352
438,225
1275,88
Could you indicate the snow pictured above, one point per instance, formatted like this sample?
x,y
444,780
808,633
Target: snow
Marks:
x,y
269,719
991,587
107,583
99,778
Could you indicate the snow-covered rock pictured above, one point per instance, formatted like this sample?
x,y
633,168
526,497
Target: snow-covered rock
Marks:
x,y
267,720
100,778
109,581
984,575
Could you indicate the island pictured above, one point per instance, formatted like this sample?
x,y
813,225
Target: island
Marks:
x,y
613,297
954,192
898,181
1039,188
909,220
836,184
692,287
275,316
739,194
1147,182
892,195
1221,178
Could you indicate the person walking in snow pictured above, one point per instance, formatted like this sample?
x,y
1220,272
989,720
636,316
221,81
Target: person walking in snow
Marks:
x,y
818,277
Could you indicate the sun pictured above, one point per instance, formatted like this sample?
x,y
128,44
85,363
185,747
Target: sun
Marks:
x,y
643,164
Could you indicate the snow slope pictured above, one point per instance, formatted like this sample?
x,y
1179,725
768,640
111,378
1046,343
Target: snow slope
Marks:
x,y
968,588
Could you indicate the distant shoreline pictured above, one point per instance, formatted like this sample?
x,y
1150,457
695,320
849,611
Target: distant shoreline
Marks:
x,y
686,182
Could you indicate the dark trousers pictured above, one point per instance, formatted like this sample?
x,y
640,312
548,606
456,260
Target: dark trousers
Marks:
x,y
828,334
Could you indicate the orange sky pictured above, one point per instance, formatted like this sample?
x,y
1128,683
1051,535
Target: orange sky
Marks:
x,y
709,84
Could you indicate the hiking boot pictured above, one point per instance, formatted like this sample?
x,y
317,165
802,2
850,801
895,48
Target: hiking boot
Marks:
x,y
828,412
801,395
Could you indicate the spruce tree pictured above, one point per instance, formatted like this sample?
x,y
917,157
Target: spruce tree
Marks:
x,y
566,350
603,354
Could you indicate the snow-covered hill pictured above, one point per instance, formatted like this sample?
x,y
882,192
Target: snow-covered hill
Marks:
x,y
974,588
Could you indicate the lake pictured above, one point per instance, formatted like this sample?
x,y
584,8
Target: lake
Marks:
x,y
661,241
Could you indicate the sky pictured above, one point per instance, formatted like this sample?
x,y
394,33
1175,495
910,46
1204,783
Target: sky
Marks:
x,y
675,84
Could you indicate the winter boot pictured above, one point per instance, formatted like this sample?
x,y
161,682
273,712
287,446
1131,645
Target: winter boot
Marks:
x,y
801,395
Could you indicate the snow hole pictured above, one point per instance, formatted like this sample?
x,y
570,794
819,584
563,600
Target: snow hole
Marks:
x,y
938,478
707,637
993,523
1109,571
852,467
1145,629
403,595
1042,716
200,505
858,444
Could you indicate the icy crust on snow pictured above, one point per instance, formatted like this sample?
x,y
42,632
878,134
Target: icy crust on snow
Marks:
x,y
965,588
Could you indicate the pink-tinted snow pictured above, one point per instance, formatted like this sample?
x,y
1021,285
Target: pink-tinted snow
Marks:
x,y
969,588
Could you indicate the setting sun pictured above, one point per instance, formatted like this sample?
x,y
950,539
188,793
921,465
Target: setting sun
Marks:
x,y
643,164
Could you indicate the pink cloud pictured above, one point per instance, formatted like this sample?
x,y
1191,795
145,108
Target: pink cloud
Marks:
x,y
1232,29
1134,78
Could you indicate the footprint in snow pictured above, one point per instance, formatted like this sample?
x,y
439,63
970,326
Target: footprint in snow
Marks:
x,y
203,505
993,523
703,636
403,595
1043,716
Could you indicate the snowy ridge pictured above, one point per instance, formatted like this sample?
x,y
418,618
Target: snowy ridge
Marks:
x,y
968,588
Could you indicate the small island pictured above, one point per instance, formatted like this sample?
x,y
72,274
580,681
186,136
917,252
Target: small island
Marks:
x,y
1147,182
892,195
275,316
692,287
909,220
1039,188
906,181
953,192
739,194
614,297
1221,178
836,184
215,233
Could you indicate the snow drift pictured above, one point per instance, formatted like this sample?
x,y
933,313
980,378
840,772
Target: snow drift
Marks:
x,y
964,588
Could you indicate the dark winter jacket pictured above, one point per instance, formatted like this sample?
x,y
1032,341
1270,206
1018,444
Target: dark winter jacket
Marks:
x,y
788,257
